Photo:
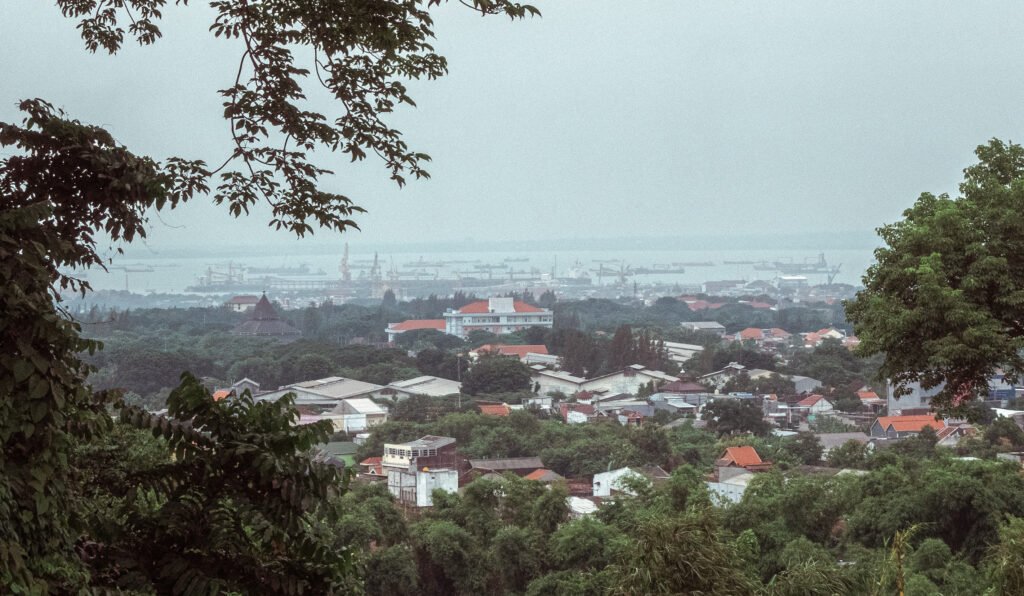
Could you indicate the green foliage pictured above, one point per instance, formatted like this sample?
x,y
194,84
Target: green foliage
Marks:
x,y
496,374
851,454
1005,560
727,416
717,357
446,557
392,571
63,184
930,558
46,226
831,424
942,302
239,484
805,448
833,364
771,384
584,544
516,554
681,554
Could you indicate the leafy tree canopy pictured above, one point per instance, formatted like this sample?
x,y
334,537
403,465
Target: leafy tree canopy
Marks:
x,y
735,416
943,301
496,374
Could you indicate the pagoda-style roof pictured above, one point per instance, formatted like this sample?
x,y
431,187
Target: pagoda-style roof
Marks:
x,y
265,322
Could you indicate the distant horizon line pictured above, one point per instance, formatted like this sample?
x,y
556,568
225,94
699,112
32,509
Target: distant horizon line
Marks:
x,y
739,241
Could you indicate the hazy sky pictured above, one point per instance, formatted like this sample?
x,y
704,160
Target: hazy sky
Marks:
x,y
601,119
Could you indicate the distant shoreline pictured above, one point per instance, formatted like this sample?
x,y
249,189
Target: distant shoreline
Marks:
x,y
726,240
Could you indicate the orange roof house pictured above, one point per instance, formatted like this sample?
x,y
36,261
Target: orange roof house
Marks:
x,y
544,475
898,427
506,315
483,307
494,409
750,333
742,457
815,400
414,324
867,395
396,329
221,394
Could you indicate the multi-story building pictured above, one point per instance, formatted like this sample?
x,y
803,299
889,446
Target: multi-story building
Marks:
x,y
415,469
496,315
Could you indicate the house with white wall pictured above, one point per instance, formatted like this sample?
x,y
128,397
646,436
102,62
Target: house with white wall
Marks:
x,y
416,468
496,315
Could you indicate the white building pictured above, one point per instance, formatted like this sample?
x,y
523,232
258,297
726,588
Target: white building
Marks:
x,y
345,402
802,384
919,398
680,352
425,385
325,391
619,481
496,315
731,484
396,329
417,468
628,380
242,303
705,327
547,381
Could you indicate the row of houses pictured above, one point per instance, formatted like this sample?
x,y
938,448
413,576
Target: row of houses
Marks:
x,y
717,379
547,381
349,404
415,469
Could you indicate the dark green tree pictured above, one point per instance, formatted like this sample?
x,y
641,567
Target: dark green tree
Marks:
x,y
735,416
805,448
239,468
496,374
622,351
943,300
64,186
851,454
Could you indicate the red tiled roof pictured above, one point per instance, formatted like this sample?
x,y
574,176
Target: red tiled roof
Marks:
x,y
867,395
683,387
742,456
510,350
809,401
221,394
780,333
414,324
760,305
373,466
494,409
909,423
483,306
244,300
536,474
704,305
751,333
543,474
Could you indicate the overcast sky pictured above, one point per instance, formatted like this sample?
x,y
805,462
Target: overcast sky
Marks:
x,y
601,119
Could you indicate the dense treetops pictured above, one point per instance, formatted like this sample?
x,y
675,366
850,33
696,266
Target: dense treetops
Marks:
x,y
913,515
